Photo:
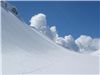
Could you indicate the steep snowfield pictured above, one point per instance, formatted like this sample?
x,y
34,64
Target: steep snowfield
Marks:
x,y
0,47
26,51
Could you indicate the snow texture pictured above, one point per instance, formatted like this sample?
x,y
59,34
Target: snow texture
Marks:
x,y
27,51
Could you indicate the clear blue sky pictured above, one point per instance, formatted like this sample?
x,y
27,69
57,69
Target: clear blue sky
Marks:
x,y
70,17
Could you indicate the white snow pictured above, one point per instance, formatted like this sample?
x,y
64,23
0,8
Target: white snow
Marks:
x,y
26,51
0,46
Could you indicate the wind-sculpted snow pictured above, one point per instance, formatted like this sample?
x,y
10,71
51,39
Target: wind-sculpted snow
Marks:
x,y
83,44
27,51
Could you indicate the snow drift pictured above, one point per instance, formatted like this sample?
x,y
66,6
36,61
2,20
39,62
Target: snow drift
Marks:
x,y
26,51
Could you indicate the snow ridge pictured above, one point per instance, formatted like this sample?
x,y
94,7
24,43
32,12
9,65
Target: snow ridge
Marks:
x,y
26,51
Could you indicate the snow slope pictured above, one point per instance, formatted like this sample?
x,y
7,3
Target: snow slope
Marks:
x,y
26,51
0,47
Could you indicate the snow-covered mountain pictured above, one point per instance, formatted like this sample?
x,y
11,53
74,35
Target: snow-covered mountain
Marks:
x,y
26,51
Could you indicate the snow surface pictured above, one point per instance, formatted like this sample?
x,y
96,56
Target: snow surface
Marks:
x,y
26,51
0,46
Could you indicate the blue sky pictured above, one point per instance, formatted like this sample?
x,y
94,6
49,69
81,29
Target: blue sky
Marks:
x,y
70,17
